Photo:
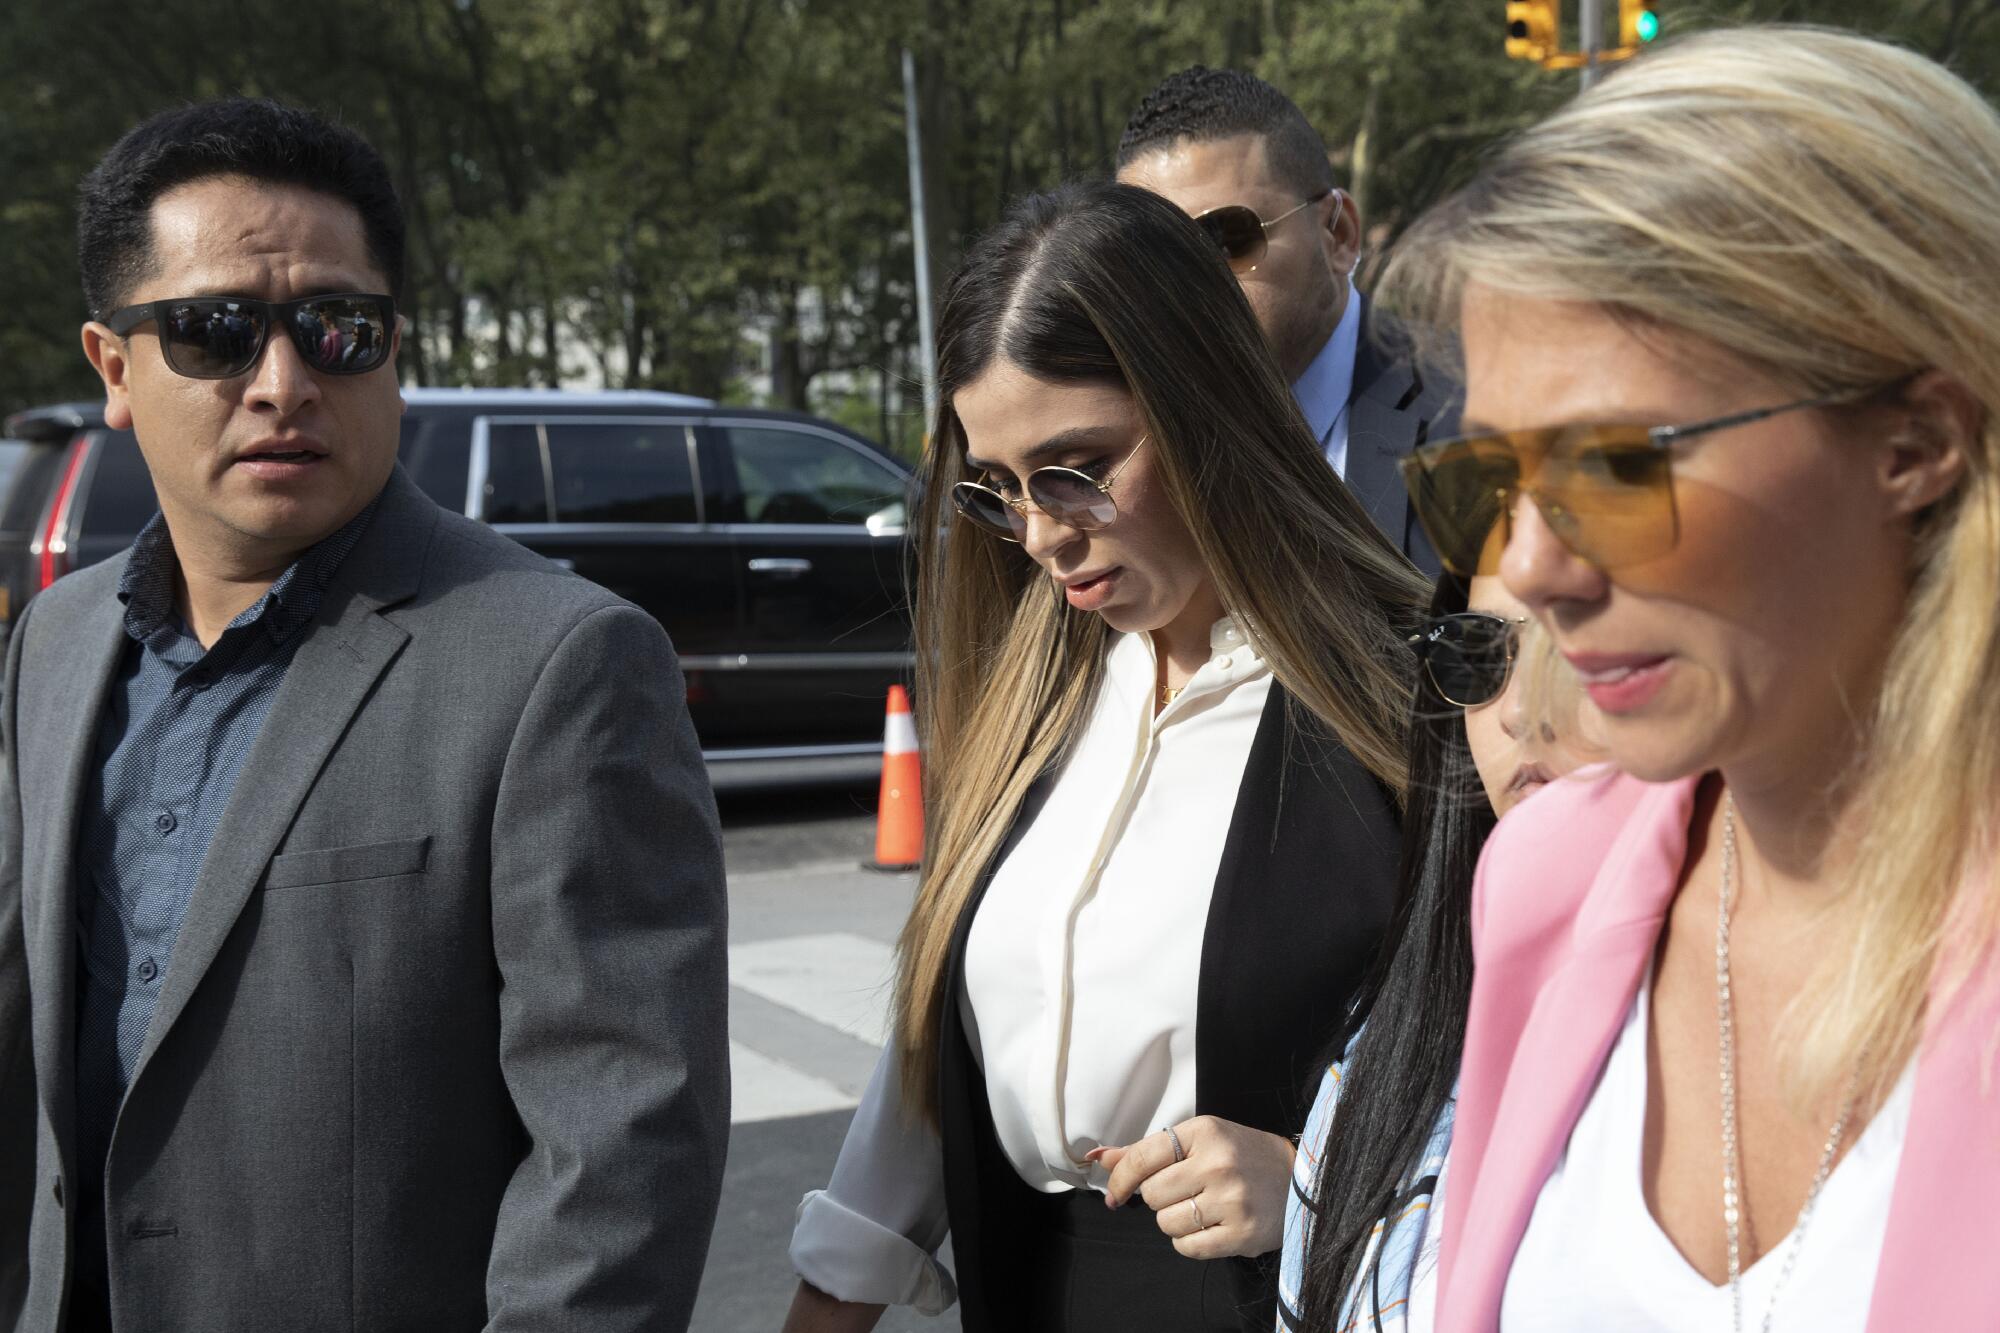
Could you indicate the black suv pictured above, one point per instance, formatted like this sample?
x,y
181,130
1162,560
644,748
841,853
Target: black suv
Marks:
x,y
771,545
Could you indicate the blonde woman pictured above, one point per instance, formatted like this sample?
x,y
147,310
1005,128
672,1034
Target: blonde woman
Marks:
x,y
1163,679
1731,323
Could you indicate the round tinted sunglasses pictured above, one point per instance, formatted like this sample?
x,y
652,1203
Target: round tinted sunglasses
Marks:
x,y
221,337
1468,655
1242,235
1072,498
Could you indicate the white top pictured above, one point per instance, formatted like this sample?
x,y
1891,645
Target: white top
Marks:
x,y
1326,386
1421,1314
1594,1258
1081,974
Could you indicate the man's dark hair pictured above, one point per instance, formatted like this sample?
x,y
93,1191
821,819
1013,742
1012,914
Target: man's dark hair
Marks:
x,y
1203,105
233,136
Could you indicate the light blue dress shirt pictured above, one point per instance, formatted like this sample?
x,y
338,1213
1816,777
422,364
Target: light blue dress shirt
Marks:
x,y
1328,383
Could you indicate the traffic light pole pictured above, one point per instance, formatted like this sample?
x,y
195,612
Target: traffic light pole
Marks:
x,y
1590,37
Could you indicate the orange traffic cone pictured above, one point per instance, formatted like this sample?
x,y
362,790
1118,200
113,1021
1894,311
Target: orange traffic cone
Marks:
x,y
899,820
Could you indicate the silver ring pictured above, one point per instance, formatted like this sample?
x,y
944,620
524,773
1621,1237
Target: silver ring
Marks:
x,y
1180,1154
1199,1225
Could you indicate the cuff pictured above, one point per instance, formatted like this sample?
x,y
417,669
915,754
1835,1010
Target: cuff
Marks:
x,y
854,1258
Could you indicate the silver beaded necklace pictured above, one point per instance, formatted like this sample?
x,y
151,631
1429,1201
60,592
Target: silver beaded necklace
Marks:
x,y
1732,1161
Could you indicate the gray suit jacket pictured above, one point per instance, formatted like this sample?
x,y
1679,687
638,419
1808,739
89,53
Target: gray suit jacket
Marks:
x,y
442,1045
1394,408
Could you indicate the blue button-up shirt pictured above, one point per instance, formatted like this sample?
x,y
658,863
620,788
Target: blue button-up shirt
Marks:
x,y
178,724
1324,391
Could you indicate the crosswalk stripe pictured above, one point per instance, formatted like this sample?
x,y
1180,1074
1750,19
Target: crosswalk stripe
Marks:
x,y
763,1089
838,979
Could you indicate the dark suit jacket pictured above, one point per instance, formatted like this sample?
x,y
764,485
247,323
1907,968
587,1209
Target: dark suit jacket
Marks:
x,y
442,1044
1302,899
1394,407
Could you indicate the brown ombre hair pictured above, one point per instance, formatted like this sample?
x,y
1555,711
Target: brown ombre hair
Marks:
x,y
1108,284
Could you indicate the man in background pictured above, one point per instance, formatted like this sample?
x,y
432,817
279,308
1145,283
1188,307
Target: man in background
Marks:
x,y
1240,158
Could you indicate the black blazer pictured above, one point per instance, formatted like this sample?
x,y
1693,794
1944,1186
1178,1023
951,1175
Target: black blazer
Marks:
x,y
1302,898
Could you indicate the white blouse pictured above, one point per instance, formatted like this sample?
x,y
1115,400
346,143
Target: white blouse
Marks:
x,y
1594,1258
1081,974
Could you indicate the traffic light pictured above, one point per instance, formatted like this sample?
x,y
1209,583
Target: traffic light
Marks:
x,y
1638,23
1532,29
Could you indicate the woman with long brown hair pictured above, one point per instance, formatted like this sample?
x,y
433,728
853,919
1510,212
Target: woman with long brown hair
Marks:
x,y
1163,673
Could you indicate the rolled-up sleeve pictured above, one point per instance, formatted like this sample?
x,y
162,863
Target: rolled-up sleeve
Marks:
x,y
871,1236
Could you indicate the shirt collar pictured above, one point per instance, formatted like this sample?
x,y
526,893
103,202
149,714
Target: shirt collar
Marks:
x,y
1328,383
1133,670
147,585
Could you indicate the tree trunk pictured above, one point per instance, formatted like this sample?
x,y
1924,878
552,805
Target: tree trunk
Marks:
x,y
1363,156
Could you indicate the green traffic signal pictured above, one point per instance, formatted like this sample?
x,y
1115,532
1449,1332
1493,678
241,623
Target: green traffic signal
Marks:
x,y
1648,25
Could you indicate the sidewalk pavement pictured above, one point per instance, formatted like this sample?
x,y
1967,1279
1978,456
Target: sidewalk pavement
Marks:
x,y
810,958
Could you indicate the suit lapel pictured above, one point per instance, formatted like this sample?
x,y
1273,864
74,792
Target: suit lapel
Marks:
x,y
99,647
345,651
1386,419
1378,435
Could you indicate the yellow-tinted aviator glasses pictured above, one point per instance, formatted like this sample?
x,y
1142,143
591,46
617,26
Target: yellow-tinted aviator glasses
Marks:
x,y
1606,492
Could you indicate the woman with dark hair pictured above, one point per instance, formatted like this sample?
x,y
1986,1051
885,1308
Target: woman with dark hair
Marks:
x,y
1361,1227
1162,680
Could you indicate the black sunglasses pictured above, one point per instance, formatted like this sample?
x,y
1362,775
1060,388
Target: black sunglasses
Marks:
x,y
1242,235
1468,655
221,337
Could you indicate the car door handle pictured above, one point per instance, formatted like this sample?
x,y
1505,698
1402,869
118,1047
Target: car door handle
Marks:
x,y
779,567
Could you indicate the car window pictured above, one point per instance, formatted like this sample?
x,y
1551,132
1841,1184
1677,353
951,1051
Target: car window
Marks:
x,y
120,499
516,489
434,452
794,476
32,485
621,472
14,473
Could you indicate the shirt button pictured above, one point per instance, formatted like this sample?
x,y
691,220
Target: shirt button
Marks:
x,y
165,821
198,680
1226,663
148,970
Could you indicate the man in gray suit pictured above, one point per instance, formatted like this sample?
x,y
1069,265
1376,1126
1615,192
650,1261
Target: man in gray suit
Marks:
x,y
1239,157
361,895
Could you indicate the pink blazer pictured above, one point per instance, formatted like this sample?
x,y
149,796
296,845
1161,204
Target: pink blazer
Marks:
x,y
1570,899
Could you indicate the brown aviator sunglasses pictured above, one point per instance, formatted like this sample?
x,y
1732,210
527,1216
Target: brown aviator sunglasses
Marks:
x,y
1242,235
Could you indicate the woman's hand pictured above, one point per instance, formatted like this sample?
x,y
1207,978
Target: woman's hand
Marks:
x,y
813,1311
1225,1197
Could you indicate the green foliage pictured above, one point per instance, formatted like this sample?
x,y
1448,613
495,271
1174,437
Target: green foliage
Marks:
x,y
650,192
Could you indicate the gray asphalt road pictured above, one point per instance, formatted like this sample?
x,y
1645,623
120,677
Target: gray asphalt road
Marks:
x,y
781,830
810,939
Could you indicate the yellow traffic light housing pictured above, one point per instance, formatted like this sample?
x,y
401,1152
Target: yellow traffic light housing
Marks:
x,y
1638,24
1532,29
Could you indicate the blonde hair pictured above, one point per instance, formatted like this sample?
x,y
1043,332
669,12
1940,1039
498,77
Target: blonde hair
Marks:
x,y
1110,284
1826,207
